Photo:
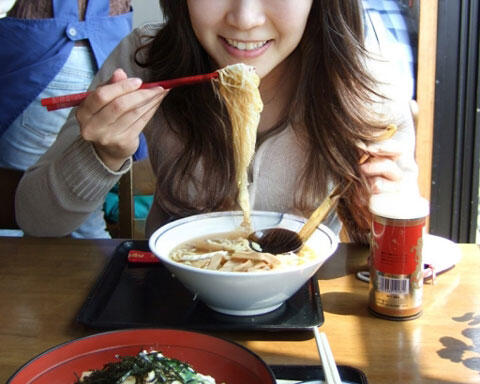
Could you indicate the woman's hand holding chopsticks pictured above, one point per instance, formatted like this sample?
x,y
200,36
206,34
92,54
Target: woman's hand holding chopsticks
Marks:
x,y
113,116
381,169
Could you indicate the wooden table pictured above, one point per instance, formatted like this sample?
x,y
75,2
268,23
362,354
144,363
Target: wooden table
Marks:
x,y
43,283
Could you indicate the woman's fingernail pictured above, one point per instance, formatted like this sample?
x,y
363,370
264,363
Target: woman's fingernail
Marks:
x,y
135,81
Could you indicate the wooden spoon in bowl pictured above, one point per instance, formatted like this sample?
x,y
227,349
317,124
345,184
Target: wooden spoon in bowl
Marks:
x,y
281,240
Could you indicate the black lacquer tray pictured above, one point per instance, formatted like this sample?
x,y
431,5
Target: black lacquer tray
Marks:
x,y
133,295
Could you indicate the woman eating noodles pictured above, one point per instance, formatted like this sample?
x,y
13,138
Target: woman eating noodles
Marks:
x,y
327,97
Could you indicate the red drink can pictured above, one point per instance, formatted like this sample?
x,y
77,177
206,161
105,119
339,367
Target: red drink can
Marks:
x,y
396,265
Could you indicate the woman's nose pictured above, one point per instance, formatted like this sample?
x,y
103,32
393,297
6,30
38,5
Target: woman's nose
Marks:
x,y
246,14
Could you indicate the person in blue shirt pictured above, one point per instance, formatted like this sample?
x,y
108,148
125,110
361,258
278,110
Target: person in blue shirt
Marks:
x,y
50,48
393,24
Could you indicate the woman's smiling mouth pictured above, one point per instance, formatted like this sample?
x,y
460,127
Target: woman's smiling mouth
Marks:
x,y
246,45
245,49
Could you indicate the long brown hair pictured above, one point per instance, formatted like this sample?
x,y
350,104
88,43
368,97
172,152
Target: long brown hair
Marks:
x,y
326,112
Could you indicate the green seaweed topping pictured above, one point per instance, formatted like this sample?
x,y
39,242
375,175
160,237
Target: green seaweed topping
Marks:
x,y
165,371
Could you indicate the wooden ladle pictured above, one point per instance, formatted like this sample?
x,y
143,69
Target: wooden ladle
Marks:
x,y
280,240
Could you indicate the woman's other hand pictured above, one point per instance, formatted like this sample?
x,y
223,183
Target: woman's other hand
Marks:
x,y
113,116
381,167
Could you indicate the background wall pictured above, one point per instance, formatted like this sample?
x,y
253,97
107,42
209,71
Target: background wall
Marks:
x,y
146,11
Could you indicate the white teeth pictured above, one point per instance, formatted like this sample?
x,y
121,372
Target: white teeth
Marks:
x,y
246,46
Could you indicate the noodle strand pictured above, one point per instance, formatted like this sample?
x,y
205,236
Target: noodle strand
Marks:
x,y
238,85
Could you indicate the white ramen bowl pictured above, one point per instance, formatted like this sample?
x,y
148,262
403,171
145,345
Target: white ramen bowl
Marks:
x,y
240,293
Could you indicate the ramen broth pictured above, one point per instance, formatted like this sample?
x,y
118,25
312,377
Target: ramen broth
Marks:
x,y
231,252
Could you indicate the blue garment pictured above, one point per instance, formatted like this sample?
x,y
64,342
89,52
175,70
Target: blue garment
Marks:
x,y
34,50
35,129
391,23
33,132
53,66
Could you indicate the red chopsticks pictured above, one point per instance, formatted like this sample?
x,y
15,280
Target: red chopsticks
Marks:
x,y
67,101
135,256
